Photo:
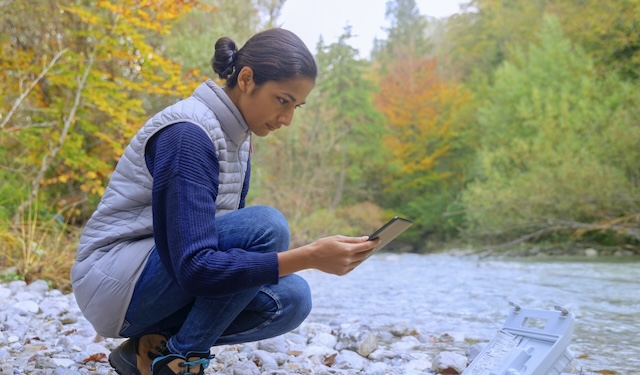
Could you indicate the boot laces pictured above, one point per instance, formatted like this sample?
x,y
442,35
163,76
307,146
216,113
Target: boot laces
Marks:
x,y
203,362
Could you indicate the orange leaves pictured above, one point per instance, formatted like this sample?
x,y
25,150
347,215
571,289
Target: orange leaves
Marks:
x,y
420,110
154,15
77,88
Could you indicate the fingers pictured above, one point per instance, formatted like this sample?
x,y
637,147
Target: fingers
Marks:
x,y
357,259
351,239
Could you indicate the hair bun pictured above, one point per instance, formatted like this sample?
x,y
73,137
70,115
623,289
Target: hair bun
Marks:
x,y
224,58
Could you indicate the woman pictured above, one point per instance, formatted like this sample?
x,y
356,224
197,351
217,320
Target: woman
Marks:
x,y
172,258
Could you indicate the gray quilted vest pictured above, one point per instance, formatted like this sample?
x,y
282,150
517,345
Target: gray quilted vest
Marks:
x,y
118,238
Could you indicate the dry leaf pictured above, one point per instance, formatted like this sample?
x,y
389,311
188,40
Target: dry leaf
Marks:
x,y
98,357
330,360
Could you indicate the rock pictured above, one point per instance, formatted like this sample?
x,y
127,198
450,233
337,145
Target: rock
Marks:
x,y
26,307
246,368
276,344
405,344
404,329
313,329
378,368
5,293
347,359
324,339
358,338
264,360
38,287
451,361
62,362
381,354
418,366
591,252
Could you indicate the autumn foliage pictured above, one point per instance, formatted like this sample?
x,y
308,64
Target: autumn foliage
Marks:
x,y
420,110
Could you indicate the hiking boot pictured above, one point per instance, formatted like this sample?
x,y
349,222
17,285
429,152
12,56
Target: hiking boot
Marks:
x,y
135,356
174,364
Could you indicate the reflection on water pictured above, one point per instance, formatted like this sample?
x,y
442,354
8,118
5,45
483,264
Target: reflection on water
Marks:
x,y
469,297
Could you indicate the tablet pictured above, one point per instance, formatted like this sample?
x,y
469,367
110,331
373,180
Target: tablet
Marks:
x,y
390,231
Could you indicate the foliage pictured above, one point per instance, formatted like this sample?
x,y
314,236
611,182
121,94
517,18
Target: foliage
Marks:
x,y
552,154
498,122
478,39
424,117
75,80
192,39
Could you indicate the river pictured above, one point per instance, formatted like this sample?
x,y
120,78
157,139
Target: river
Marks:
x,y
469,297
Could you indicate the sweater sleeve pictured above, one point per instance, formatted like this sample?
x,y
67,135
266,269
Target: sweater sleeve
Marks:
x,y
185,169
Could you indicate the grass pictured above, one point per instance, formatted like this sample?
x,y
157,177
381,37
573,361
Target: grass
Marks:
x,y
37,249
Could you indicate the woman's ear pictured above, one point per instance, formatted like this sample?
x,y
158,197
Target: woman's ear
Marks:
x,y
245,79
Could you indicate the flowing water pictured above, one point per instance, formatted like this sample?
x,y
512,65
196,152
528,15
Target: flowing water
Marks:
x,y
468,297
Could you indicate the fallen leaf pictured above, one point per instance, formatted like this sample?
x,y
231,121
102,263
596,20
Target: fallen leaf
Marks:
x,y
69,332
330,360
606,372
98,357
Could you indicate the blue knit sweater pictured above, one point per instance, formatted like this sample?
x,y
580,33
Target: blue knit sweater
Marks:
x,y
184,166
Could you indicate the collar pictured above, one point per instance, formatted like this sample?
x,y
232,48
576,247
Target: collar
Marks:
x,y
230,118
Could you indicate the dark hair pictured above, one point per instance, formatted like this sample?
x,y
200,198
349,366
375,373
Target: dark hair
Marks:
x,y
273,55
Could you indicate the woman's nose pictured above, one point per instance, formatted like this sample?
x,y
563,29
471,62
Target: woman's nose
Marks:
x,y
286,117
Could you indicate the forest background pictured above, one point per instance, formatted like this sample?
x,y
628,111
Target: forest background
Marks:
x,y
513,124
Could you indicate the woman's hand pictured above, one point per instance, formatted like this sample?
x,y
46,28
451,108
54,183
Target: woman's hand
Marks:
x,y
336,255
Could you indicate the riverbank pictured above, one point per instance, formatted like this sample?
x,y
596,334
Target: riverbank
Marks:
x,y
399,330
43,332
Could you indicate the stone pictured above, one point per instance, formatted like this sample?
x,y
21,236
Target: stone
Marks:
x,y
324,339
26,307
347,359
263,359
450,360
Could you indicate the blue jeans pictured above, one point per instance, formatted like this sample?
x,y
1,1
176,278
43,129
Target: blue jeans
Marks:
x,y
159,305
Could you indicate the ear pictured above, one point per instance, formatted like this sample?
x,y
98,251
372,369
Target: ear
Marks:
x,y
245,79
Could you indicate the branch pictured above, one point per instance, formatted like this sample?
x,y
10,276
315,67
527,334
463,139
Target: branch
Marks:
x,y
615,225
48,159
33,84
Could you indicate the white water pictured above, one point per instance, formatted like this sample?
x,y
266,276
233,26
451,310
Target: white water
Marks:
x,y
469,297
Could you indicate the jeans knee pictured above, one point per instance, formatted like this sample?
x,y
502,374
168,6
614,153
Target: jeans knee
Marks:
x,y
300,302
275,226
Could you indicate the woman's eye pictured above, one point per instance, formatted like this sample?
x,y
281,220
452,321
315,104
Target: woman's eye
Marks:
x,y
283,101
298,106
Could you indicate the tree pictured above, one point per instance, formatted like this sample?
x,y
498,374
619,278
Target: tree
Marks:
x,y
192,39
75,80
553,156
479,38
425,118
407,34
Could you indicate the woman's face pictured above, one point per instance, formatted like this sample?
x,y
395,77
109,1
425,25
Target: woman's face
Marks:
x,y
267,107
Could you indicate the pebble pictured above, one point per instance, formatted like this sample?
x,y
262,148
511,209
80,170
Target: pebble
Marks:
x,y
42,331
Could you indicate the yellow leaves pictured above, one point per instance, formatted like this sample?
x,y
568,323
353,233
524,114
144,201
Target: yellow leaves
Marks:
x,y
85,15
421,111
155,15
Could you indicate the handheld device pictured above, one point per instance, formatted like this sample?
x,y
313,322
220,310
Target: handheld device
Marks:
x,y
388,232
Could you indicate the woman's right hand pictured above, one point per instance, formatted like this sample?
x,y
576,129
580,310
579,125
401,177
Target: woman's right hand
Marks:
x,y
336,255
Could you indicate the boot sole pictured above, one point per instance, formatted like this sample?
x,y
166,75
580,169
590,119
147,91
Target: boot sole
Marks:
x,y
122,366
